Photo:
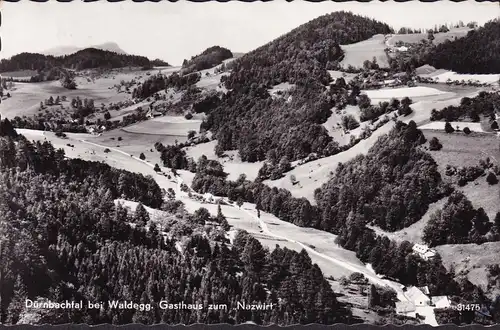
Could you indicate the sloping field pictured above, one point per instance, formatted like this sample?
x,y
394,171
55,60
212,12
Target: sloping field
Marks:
x,y
417,37
414,232
21,74
466,150
399,93
334,125
313,174
137,143
427,70
471,259
283,87
232,162
442,77
210,80
439,125
155,215
26,97
339,74
357,53
422,108
165,125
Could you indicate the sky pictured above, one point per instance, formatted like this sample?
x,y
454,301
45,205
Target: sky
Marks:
x,y
177,31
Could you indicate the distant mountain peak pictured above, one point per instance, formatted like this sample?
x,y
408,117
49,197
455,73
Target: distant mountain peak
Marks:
x,y
67,50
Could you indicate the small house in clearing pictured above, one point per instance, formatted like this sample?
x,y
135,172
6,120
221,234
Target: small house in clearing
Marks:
x,y
424,251
154,114
440,301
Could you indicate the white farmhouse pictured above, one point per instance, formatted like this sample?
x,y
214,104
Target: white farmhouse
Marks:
x,y
424,251
440,301
416,296
405,307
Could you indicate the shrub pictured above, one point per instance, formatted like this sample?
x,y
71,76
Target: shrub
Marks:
x,y
491,178
467,130
60,134
142,156
434,144
188,115
448,128
107,150
349,122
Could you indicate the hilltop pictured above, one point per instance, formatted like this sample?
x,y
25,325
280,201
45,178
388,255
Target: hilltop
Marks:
x,y
68,50
250,120
209,58
83,59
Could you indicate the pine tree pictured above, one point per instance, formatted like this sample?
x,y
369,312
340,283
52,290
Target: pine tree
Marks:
x,y
491,178
221,219
141,216
374,297
448,128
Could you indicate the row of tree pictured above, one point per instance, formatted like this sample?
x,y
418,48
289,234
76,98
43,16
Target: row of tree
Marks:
x,y
485,104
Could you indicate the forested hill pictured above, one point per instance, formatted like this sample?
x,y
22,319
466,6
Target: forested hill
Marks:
x,y
84,59
475,53
305,51
209,58
248,118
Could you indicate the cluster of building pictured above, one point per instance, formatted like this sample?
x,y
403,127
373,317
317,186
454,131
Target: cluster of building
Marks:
x,y
419,297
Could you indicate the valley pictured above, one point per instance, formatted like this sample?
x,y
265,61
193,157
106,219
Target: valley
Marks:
x,y
326,153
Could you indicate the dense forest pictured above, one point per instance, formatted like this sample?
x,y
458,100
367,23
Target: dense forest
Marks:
x,y
88,58
475,53
209,58
62,238
391,187
381,186
248,119
459,223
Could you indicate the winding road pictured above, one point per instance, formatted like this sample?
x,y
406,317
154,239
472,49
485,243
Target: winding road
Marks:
x,y
373,278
